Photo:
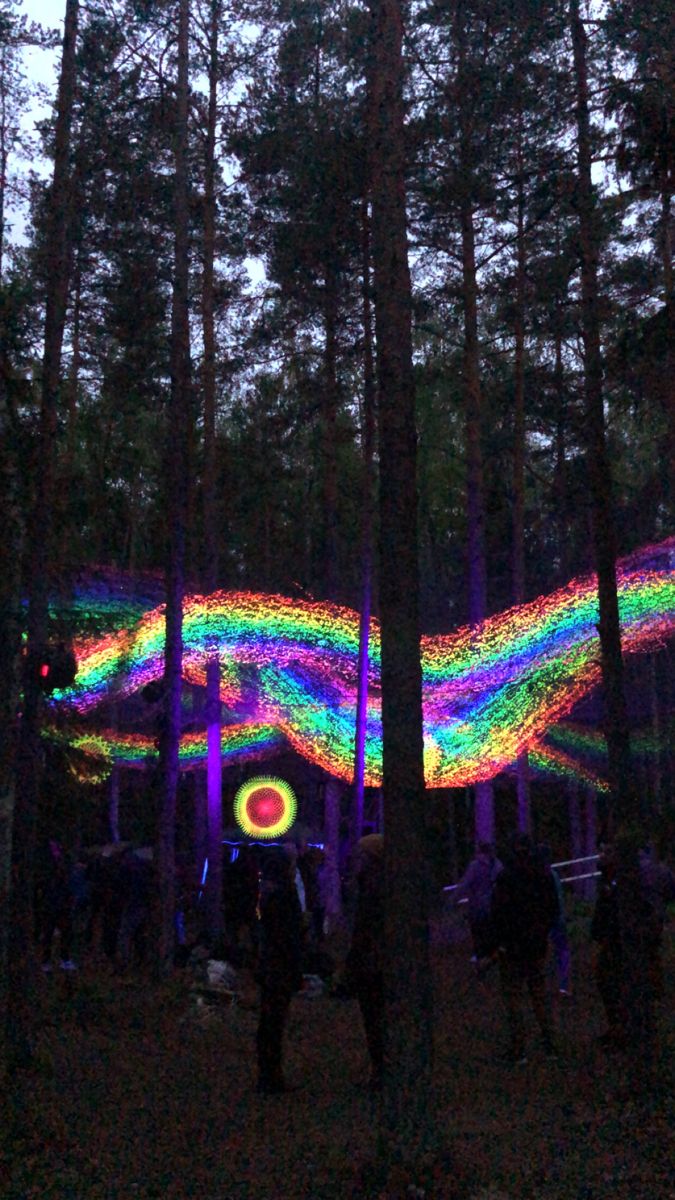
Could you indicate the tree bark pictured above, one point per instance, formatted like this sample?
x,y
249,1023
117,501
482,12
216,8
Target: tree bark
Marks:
x,y
591,836
483,792
39,556
10,673
484,820
331,835
599,472
213,891
176,475
114,804
329,408
625,812
560,475
576,838
669,301
406,1124
368,438
524,821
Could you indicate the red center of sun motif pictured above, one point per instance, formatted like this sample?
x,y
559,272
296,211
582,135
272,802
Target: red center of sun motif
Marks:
x,y
264,807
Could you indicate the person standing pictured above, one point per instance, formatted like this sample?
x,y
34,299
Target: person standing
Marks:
x,y
364,967
56,905
658,887
475,887
136,884
524,910
558,935
605,932
279,970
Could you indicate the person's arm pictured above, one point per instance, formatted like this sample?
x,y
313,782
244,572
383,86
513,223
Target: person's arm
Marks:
x,y
464,884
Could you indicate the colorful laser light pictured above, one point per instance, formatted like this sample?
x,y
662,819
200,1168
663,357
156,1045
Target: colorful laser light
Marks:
x,y
491,692
265,807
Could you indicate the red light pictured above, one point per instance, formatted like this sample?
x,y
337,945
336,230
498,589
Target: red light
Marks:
x,y
265,806
44,670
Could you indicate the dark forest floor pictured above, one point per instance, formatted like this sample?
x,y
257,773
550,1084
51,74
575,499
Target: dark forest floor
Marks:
x,y
137,1094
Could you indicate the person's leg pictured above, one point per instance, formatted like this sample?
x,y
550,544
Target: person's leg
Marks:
x,y
124,940
370,995
655,968
536,985
608,981
511,977
561,950
49,926
274,1007
64,922
318,917
481,932
140,938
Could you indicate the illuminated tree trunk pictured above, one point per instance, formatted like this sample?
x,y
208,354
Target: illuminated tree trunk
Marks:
x,y
40,551
475,510
669,300
625,807
114,804
483,793
591,837
560,472
598,463
575,831
522,769
368,435
332,791
176,474
329,408
214,783
406,1127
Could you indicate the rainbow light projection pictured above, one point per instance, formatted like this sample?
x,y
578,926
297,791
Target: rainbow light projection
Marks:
x,y
136,750
289,667
265,806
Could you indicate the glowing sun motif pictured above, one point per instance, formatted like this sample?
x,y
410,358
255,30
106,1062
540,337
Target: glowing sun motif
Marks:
x,y
265,807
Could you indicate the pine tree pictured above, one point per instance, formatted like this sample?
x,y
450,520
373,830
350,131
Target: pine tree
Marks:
x,y
40,551
408,1001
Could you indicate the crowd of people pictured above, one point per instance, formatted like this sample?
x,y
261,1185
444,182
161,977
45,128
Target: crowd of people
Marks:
x,y
274,909
96,899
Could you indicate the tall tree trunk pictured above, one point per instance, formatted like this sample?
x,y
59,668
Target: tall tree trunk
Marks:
x,y
599,472
10,672
114,790
368,437
331,808
214,783
591,835
625,814
483,792
329,408
560,473
656,773
669,300
484,819
176,475
40,554
5,69
576,833
518,567
408,994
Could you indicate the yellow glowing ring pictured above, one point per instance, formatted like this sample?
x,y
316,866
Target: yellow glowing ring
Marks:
x,y
265,807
